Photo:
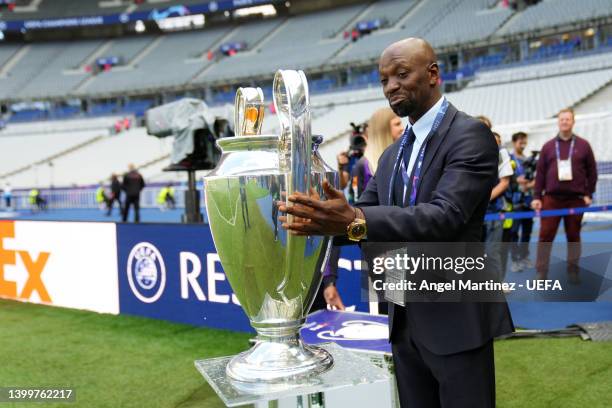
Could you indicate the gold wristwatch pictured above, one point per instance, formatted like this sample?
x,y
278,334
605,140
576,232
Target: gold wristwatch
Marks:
x,y
357,230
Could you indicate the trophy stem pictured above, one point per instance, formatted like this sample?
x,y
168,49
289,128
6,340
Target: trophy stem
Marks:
x,y
278,357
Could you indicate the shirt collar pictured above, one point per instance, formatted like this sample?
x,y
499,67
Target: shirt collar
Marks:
x,y
422,126
568,140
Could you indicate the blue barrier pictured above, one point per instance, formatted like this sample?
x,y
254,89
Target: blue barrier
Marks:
x,y
172,272
545,213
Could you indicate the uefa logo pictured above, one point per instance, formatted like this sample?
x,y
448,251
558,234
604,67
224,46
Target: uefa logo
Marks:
x,y
146,272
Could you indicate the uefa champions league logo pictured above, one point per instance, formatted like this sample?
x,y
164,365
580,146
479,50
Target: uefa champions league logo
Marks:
x,y
355,330
146,272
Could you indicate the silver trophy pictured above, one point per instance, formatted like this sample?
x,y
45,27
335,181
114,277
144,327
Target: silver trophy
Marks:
x,y
274,275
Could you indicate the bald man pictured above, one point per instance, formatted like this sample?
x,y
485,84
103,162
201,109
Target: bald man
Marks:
x,y
443,352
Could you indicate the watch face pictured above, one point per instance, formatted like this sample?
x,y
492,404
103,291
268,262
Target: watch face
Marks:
x,y
358,230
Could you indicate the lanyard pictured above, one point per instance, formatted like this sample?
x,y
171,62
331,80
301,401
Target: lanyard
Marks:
x,y
401,166
571,149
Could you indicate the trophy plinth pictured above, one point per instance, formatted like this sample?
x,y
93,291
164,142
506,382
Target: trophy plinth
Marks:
x,y
274,275
350,370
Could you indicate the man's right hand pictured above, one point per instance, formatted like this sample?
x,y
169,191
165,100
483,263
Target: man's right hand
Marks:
x,y
536,205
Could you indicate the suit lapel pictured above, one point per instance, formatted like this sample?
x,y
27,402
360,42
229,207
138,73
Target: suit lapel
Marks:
x,y
437,138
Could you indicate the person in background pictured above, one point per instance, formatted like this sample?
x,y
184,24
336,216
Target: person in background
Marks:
x,y
165,198
566,176
328,295
522,194
347,159
493,230
115,195
101,197
169,199
36,201
132,185
384,128
8,195
161,198
485,120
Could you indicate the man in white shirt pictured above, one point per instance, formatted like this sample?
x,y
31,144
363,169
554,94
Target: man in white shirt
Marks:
x,y
493,230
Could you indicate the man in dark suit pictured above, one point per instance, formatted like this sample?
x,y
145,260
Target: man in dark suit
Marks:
x,y
443,352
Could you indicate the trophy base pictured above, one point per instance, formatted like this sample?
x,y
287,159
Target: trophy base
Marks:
x,y
350,369
277,362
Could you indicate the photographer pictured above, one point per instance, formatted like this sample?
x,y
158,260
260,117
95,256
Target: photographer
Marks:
x,y
521,188
328,295
348,159
384,128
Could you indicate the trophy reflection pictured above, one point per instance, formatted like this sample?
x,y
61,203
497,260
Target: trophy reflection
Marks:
x,y
274,275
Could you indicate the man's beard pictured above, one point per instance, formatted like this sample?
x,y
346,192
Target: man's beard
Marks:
x,y
403,109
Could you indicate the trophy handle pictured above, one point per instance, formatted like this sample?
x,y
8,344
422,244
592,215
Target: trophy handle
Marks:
x,y
248,111
292,104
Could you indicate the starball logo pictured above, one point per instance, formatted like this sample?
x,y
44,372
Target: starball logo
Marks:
x,y
34,268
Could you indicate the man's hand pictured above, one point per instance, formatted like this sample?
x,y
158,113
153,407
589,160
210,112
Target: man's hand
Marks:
x,y
315,217
536,205
332,298
587,200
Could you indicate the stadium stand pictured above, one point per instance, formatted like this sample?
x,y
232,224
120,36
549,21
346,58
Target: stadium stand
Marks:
x,y
315,47
391,11
126,48
57,73
556,13
95,161
534,71
468,22
601,101
38,148
508,87
531,99
168,60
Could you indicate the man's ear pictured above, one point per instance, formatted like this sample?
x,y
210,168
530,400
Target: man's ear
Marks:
x,y
434,73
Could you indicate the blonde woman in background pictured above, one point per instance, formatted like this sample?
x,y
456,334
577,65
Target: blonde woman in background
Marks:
x,y
384,127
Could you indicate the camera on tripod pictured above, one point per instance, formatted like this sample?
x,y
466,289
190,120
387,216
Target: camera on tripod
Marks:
x,y
195,132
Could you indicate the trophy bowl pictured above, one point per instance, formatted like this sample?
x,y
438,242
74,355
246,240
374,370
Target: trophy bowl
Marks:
x,y
274,275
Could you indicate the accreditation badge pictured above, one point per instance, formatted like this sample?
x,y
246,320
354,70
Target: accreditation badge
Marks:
x,y
394,277
564,168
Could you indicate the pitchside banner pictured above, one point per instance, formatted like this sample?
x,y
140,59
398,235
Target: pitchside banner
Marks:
x,y
173,272
68,264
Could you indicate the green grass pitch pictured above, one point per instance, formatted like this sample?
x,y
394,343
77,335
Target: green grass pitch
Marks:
x,y
123,361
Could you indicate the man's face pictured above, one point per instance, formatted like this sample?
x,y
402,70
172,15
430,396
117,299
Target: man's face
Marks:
x,y
407,81
566,122
520,144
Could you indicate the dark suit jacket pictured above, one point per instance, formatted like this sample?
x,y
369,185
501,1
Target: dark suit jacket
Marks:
x,y
459,170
